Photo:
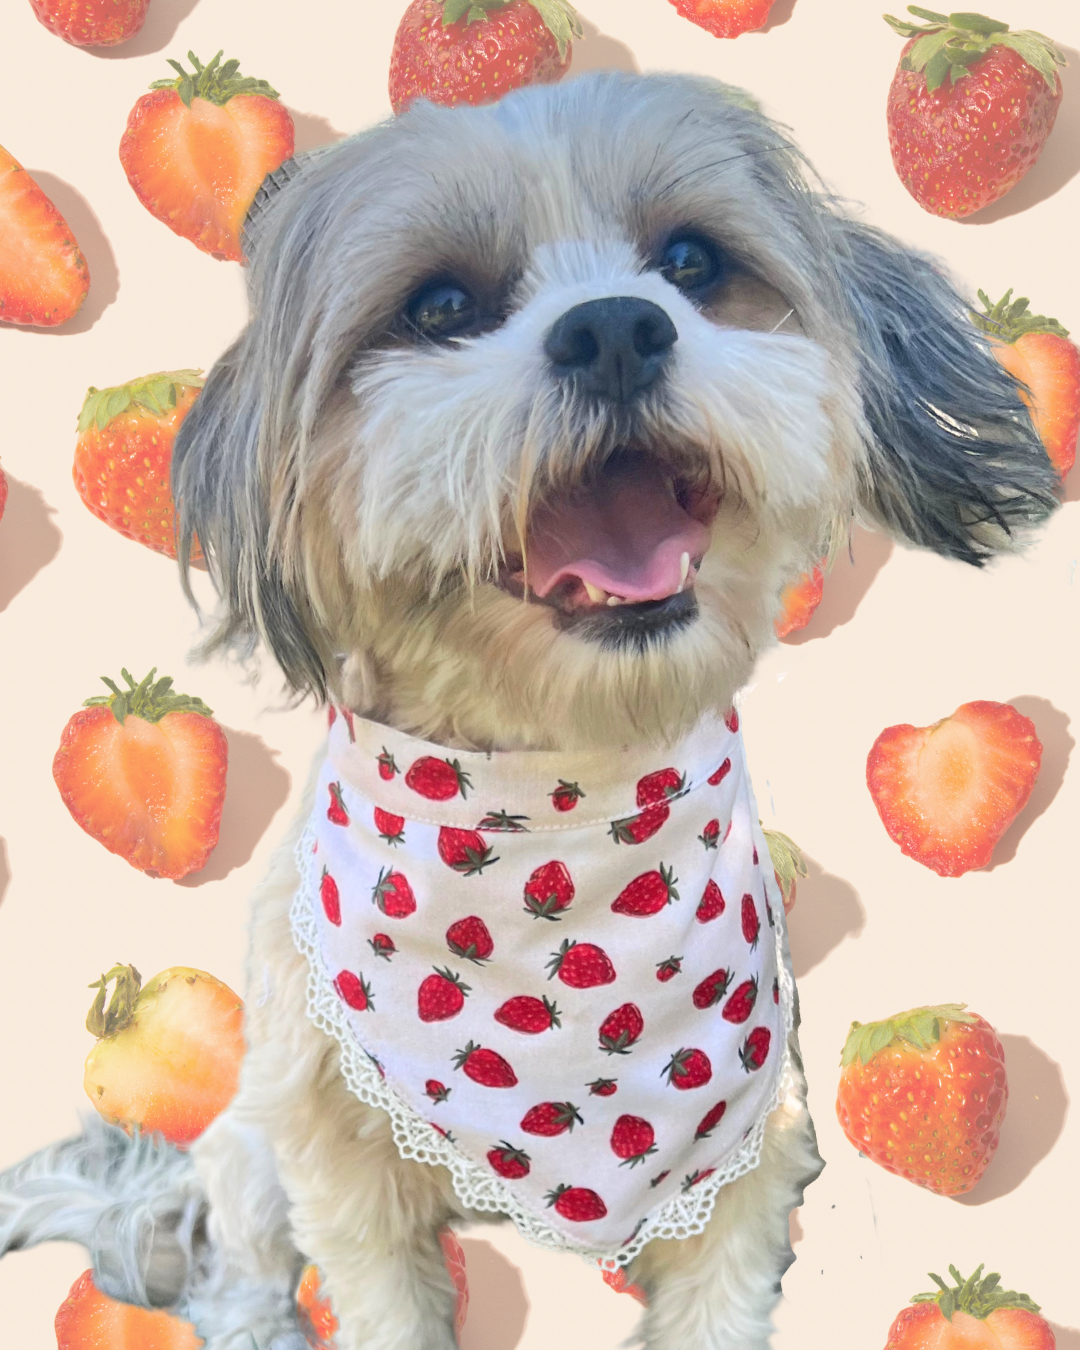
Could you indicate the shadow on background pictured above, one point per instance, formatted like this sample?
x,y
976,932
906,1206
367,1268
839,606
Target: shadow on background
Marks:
x,y
1067,1338
95,248
827,910
1052,728
597,51
256,789
1034,1119
498,1304
29,540
313,131
851,577
5,870
163,18
1058,164
1072,485
781,11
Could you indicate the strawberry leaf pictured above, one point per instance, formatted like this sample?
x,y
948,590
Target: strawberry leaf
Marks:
x,y
217,84
156,393
149,700
1009,319
978,1298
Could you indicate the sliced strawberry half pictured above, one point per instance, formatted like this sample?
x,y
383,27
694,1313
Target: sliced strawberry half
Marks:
x,y
947,793
43,276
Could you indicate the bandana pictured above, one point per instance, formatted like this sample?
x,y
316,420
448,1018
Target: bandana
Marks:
x,y
561,975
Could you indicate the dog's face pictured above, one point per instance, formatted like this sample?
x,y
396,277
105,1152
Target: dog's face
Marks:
x,y
543,403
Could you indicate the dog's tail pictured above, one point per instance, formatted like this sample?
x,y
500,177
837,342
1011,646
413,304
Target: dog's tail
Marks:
x,y
135,1202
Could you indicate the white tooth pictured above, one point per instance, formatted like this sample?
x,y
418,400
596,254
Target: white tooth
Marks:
x,y
595,594
615,600
684,569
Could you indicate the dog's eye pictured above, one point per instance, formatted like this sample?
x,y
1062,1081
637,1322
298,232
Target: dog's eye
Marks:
x,y
443,310
690,263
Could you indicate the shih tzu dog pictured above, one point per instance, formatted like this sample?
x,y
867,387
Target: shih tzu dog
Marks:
x,y
540,406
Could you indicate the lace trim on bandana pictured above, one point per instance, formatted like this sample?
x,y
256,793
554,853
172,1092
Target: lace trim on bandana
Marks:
x,y
475,1186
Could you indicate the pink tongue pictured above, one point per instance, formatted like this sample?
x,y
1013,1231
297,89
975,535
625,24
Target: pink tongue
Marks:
x,y
626,534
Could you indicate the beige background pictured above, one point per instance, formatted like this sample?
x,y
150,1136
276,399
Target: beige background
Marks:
x,y
900,637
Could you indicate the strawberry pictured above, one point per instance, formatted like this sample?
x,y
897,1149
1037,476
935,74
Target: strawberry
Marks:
x,y
566,796
330,897
464,851
168,1056
775,990
660,786
437,779
647,894
923,1094
438,1092
387,766
616,1279
688,1069
43,276
391,828
485,1067
731,720
667,970
469,938
947,793
577,1203
549,891
382,946
692,1180
90,1320
142,770
603,1087
123,455
581,965
92,23
711,904
335,812
528,1015
1036,352
475,51
508,1161
741,1004
788,864
712,988
970,108
976,1313
755,1049
621,1029
354,990
441,996
393,894
501,822
726,18
551,1118
709,1121
798,602
710,835
197,148
663,1176
636,829
632,1140
721,773
349,722
751,924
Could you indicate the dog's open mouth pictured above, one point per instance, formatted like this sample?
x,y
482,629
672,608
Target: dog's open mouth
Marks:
x,y
631,538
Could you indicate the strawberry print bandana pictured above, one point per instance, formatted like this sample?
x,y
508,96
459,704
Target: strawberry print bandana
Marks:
x,y
561,975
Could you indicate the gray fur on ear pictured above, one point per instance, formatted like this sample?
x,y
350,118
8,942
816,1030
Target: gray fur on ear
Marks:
x,y
955,462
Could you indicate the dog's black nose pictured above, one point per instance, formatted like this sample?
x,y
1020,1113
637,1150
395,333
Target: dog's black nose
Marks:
x,y
614,347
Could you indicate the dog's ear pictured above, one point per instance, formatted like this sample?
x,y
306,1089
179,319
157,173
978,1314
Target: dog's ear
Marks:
x,y
955,464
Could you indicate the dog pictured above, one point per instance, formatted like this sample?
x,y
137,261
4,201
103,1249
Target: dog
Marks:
x,y
617,312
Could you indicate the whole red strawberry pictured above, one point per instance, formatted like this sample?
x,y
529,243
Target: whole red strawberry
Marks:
x,y
441,996
923,1094
92,23
566,796
391,828
603,1087
666,970
527,1014
382,945
741,1004
330,897
549,891
712,988
577,1203
660,786
475,51
969,1315
436,779
508,1161
711,905
970,108
621,1029
464,851
582,965
710,1121
335,812
726,18
720,774
502,822
354,990
710,835
636,829
387,767
393,894
438,1092
485,1067
632,1140
688,1068
755,1049
751,924
470,939
647,894
197,148
551,1118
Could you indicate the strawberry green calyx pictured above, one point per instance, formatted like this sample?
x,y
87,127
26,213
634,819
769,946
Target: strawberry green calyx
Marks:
x,y
1009,319
559,16
217,84
949,43
974,1296
102,1021
786,858
149,700
157,394
921,1027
